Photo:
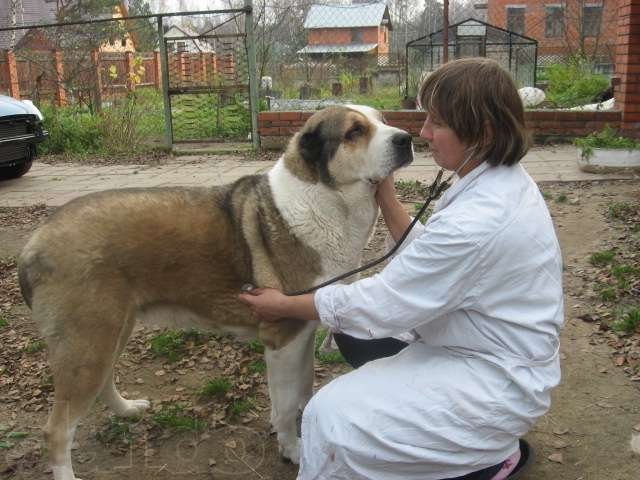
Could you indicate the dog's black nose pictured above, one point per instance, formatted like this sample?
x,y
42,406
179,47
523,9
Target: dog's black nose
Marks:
x,y
401,139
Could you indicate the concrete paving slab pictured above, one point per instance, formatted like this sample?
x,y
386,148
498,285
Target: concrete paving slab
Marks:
x,y
55,184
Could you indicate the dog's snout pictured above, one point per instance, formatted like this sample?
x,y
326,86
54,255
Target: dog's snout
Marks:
x,y
401,139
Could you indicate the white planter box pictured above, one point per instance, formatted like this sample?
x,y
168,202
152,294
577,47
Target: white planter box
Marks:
x,y
604,160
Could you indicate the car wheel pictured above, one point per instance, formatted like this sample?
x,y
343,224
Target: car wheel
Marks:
x,y
15,171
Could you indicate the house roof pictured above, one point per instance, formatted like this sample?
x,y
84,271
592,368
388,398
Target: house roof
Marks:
x,y
346,48
345,16
29,12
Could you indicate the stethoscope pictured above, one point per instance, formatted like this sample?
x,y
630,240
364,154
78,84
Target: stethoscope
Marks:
x,y
435,190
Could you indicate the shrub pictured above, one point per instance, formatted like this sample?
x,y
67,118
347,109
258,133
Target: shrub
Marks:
x,y
574,83
607,138
72,130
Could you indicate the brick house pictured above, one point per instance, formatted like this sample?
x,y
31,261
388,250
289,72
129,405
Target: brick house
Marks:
x,y
45,11
359,31
561,27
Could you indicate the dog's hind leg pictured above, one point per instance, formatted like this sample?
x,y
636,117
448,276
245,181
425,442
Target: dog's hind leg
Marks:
x,y
110,395
290,378
78,378
82,345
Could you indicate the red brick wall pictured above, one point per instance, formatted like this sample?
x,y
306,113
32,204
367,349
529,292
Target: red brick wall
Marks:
x,y
535,24
340,36
275,128
628,66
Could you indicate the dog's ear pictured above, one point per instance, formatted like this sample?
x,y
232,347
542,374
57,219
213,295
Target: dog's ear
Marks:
x,y
310,144
317,148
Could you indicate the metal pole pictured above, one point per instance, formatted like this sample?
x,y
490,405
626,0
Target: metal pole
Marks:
x,y
253,72
164,67
445,31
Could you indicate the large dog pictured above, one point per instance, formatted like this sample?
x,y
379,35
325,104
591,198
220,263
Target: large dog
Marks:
x,y
107,259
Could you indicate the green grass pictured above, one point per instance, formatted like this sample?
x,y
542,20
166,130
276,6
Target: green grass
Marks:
x,y
10,439
34,346
173,345
326,357
174,417
546,195
259,366
620,211
425,216
3,322
608,294
117,430
240,407
411,188
256,346
216,388
623,274
562,198
629,322
600,259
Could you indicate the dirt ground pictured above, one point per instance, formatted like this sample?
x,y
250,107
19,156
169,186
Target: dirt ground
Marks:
x,y
223,432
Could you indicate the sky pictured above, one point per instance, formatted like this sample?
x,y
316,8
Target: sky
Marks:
x,y
184,5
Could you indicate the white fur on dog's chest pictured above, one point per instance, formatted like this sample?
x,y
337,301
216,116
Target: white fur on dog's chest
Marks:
x,y
336,224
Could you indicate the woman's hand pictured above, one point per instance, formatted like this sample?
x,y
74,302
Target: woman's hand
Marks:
x,y
386,192
395,216
267,304
271,305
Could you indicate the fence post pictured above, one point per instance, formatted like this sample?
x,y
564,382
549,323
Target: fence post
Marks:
x,y
253,73
97,84
61,94
157,68
12,66
128,62
203,68
168,127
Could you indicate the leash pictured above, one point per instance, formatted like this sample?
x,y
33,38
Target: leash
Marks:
x,y
435,190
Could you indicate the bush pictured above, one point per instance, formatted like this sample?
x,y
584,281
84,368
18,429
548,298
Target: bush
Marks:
x,y
607,138
71,130
574,83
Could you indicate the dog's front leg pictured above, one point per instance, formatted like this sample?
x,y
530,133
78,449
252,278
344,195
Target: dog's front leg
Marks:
x,y
290,377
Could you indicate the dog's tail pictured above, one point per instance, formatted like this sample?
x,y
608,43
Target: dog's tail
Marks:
x,y
25,280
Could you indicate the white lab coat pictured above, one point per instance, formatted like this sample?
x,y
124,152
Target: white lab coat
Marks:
x,y
481,285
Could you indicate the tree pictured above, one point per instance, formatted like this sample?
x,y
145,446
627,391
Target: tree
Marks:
x,y
146,32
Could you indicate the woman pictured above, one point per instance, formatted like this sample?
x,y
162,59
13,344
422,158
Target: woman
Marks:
x,y
480,288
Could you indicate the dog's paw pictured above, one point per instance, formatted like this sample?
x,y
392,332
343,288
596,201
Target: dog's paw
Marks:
x,y
291,451
133,408
63,473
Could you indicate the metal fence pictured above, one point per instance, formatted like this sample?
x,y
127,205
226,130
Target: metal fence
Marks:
x,y
177,77
472,38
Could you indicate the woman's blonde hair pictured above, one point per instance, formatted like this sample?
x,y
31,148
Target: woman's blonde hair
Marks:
x,y
479,101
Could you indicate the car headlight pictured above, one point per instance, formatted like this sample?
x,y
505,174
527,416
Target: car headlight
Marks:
x,y
33,109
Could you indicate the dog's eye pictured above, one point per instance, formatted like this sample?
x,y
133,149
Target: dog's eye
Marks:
x,y
354,132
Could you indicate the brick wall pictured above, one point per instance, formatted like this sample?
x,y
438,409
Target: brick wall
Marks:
x,y
628,66
276,128
535,16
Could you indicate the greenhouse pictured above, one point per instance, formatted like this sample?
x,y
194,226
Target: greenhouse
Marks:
x,y
472,38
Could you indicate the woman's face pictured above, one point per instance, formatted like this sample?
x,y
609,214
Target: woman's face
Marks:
x,y
447,149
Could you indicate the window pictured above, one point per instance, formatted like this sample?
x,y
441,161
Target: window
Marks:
x,y
515,19
356,35
554,21
591,19
123,42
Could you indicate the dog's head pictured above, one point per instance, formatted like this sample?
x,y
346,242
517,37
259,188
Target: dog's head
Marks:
x,y
346,144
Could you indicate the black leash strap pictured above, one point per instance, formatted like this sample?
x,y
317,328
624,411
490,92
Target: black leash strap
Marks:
x,y
435,190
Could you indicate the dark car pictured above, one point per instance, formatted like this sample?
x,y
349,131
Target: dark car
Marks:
x,y
20,131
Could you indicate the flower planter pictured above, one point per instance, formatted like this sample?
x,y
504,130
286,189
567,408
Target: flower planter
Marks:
x,y
603,160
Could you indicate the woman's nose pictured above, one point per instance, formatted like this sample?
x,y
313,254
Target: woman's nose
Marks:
x,y
426,131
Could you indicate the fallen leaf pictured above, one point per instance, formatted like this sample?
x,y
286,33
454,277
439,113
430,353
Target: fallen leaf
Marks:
x,y
556,458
